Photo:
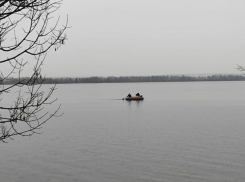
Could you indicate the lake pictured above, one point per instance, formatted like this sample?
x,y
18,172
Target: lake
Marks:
x,y
181,132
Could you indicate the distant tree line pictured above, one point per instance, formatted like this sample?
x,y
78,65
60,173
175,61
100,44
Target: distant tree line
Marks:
x,y
124,79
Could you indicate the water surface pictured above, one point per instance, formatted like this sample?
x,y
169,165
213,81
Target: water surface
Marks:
x,y
181,132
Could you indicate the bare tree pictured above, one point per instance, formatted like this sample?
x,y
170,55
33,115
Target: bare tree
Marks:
x,y
27,32
240,68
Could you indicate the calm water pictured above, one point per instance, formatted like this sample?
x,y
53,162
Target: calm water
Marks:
x,y
181,132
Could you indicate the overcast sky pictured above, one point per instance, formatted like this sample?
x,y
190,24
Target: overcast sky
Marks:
x,y
150,37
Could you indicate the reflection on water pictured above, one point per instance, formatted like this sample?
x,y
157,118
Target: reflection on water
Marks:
x,y
181,132
136,102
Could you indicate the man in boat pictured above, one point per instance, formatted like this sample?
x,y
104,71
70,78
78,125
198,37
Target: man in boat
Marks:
x,y
137,95
129,95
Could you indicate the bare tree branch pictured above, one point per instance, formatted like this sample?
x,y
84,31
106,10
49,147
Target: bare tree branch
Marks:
x,y
25,31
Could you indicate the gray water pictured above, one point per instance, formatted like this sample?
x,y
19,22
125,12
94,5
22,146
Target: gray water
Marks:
x,y
181,132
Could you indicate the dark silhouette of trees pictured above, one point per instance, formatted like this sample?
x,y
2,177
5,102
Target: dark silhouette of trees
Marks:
x,y
25,37
122,79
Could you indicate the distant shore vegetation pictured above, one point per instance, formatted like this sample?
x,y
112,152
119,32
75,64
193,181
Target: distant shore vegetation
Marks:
x,y
128,79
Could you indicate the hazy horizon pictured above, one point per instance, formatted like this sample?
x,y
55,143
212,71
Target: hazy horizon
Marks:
x,y
142,37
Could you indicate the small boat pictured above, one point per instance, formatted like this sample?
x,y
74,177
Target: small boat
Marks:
x,y
134,98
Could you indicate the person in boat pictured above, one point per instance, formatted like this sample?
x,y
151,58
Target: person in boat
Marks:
x,y
129,95
137,95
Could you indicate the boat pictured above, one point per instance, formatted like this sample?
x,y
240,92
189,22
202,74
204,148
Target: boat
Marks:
x,y
134,98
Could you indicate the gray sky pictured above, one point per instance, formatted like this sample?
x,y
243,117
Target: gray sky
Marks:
x,y
150,37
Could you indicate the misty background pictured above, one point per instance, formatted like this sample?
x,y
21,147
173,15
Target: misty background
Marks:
x,y
142,37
